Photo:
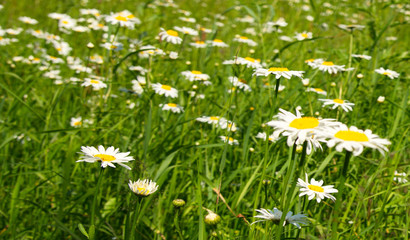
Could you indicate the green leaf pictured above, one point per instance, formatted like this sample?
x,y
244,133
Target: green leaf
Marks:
x,y
82,230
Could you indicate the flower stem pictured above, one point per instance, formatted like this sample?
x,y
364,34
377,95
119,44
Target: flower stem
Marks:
x,y
135,217
95,200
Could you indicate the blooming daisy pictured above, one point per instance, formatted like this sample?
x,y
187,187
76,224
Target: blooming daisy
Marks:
x,y
136,87
317,90
246,40
329,67
144,187
248,61
350,27
315,189
262,135
276,215
195,75
387,72
198,44
186,30
107,157
217,43
166,90
278,72
362,56
76,122
354,140
211,119
299,129
28,20
226,124
124,19
346,105
400,177
278,23
173,107
303,36
240,83
170,36
230,140
96,84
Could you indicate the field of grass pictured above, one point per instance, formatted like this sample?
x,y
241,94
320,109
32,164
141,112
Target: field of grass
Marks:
x,y
103,73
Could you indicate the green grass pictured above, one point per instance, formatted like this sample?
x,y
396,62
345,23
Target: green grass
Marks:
x,y
46,194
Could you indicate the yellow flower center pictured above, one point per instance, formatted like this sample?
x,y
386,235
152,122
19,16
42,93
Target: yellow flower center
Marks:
x,y
242,81
113,47
348,135
200,42
230,139
166,87
1,38
172,33
95,81
36,59
318,90
316,188
214,118
173,105
340,101
52,57
386,73
304,35
131,16
58,49
196,72
65,22
304,123
100,25
328,63
309,60
121,18
218,40
78,123
143,190
105,157
244,38
276,69
250,59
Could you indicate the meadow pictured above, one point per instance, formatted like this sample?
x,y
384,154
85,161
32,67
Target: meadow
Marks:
x,y
214,119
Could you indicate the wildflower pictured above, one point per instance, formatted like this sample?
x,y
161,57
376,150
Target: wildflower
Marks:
x,y
136,87
387,72
400,177
314,189
226,124
246,40
186,30
170,36
96,84
178,203
144,187
166,90
210,120
325,66
278,72
303,36
248,61
262,135
276,215
344,104
278,23
198,44
362,56
354,140
317,90
28,20
217,43
124,19
381,99
107,157
212,218
173,55
229,140
240,83
173,107
195,75
351,27
76,122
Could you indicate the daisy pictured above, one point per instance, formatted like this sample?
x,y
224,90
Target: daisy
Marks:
x,y
217,43
303,36
229,140
315,189
248,61
76,122
317,90
276,215
299,129
240,83
198,44
187,30
387,72
346,105
354,140
262,135
136,87
350,27
278,23
96,84
144,187
210,120
166,90
329,67
278,72
246,40
195,75
226,124
115,46
107,157
362,56
170,36
400,177
173,107
28,20
124,19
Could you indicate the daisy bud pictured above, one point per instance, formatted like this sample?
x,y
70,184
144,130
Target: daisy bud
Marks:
x,y
194,87
299,148
188,63
178,203
251,108
333,84
317,113
216,64
380,99
266,182
251,150
305,81
298,108
90,45
359,75
263,125
212,218
251,51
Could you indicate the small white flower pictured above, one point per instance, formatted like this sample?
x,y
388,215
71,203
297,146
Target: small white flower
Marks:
x,y
107,157
387,72
381,99
314,189
400,177
170,36
344,104
230,140
175,108
144,187
278,72
96,84
166,90
276,215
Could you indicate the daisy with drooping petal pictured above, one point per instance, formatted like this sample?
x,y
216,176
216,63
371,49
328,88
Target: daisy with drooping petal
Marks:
x,y
226,124
276,215
144,187
195,75
229,140
240,83
314,189
217,43
248,61
198,44
170,36
299,129
172,107
246,40
262,135
317,90
350,27
166,90
400,177
107,157
211,120
278,72
303,36
387,72
96,84
354,140
344,104
362,56
187,30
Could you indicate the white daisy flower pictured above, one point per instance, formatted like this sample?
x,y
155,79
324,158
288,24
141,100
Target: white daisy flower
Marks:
x,y
240,83
144,187
107,157
387,72
354,140
314,189
124,19
198,44
166,90
248,61
246,40
299,129
186,30
362,56
173,107
76,122
230,140
28,20
344,104
211,120
317,90
279,23
195,75
276,215
170,36
96,84
136,87
262,135
400,177
351,27
278,72
329,67
303,36
217,43
226,124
